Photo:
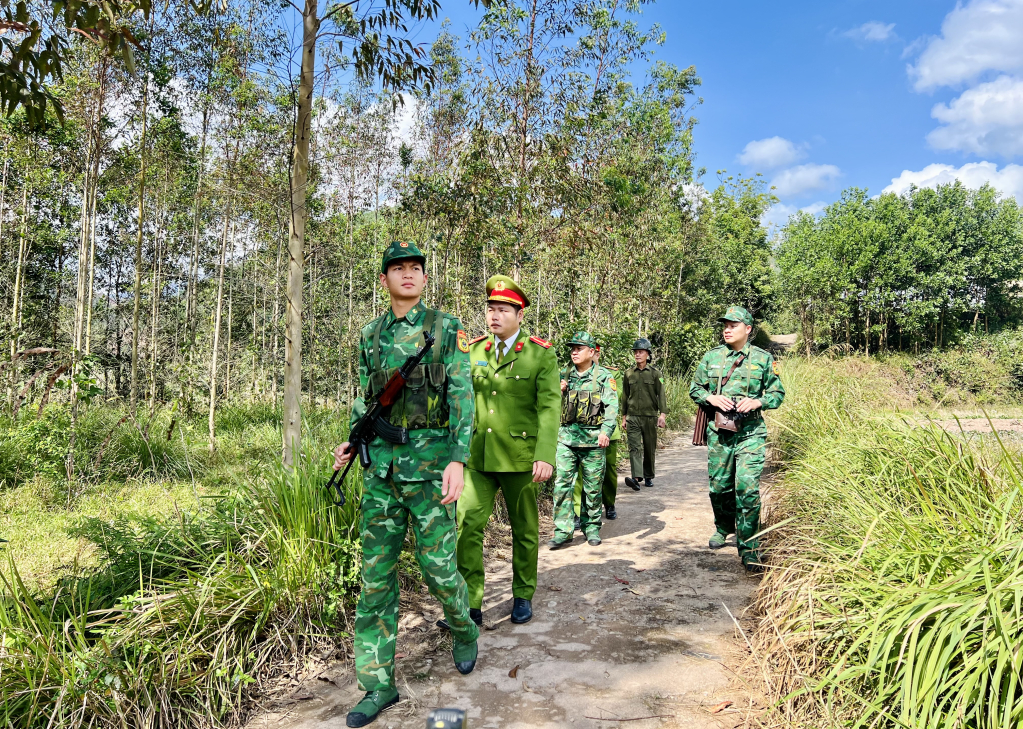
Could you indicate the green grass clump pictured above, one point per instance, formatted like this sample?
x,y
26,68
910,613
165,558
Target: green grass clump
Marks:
x,y
897,597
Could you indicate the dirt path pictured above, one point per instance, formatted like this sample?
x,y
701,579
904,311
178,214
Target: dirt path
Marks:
x,y
633,628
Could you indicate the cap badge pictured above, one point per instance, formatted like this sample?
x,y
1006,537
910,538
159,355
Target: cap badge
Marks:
x,y
499,286
403,245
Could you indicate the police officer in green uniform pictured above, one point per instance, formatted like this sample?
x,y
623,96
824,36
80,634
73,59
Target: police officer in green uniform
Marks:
x,y
589,411
609,486
415,482
518,406
737,378
644,410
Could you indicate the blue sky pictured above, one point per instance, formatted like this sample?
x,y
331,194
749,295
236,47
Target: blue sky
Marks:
x,y
821,96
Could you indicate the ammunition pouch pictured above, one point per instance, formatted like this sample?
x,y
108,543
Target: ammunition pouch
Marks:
x,y
423,402
733,420
585,407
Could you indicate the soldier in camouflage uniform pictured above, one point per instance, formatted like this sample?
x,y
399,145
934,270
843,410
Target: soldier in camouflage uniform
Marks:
x,y
589,413
609,486
417,482
736,460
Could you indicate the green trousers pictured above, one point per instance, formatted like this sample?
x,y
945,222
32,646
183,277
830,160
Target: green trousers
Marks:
x,y
609,486
642,435
387,509
475,506
589,464
734,464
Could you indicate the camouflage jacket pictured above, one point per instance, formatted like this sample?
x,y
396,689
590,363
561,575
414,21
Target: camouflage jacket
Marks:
x,y
756,377
429,449
602,382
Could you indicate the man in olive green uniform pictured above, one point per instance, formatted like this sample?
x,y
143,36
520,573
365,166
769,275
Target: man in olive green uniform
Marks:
x,y
644,410
742,379
609,486
589,409
415,482
518,405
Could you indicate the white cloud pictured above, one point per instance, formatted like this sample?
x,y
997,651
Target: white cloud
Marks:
x,y
771,152
874,31
978,36
1008,180
987,119
777,216
804,178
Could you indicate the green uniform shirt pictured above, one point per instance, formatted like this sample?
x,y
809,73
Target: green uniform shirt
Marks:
x,y
757,377
429,450
599,379
518,405
643,392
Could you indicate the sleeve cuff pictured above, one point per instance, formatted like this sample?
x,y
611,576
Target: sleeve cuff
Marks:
x,y
460,454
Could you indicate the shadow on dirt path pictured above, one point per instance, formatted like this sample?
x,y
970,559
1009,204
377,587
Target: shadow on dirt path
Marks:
x,y
633,628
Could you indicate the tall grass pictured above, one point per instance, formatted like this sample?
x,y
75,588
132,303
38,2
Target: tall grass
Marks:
x,y
185,618
897,594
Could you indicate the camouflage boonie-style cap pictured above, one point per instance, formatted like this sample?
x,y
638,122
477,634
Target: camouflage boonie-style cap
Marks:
x,y
584,338
739,314
399,250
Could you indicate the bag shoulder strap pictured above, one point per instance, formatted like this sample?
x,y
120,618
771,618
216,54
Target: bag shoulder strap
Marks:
x,y
722,383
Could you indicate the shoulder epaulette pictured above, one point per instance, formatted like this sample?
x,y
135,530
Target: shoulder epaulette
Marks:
x,y
543,343
478,339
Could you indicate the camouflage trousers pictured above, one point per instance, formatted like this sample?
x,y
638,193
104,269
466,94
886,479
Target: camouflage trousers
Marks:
x,y
734,464
571,461
387,509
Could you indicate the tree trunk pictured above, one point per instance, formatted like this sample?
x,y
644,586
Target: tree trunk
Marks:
x,y
216,327
134,391
296,241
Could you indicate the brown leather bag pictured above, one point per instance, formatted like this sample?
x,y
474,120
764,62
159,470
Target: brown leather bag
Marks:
x,y
723,421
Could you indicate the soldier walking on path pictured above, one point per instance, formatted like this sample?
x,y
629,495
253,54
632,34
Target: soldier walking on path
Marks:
x,y
518,403
609,486
589,409
738,382
416,482
644,410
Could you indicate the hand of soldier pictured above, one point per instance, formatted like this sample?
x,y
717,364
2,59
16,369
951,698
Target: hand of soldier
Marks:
x,y
721,403
564,385
453,482
748,405
541,471
662,420
625,421
342,454
603,441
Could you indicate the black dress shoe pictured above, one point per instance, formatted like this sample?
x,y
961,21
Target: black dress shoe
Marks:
x,y
610,513
475,613
649,483
522,610
632,483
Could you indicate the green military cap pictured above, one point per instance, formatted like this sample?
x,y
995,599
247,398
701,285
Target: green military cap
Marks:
x,y
399,250
504,290
584,338
737,313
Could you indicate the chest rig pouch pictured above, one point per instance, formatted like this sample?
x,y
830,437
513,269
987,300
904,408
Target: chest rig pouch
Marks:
x,y
585,407
423,402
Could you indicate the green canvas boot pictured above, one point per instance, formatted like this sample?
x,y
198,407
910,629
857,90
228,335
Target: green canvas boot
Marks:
x,y
465,655
718,540
371,705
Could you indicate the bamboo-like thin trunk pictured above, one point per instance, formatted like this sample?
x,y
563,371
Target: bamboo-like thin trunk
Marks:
x,y
134,391
216,329
19,277
296,241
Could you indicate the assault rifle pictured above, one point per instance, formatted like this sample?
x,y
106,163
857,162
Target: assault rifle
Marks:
x,y
374,422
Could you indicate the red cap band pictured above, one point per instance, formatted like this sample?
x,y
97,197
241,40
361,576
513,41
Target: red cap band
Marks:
x,y
506,296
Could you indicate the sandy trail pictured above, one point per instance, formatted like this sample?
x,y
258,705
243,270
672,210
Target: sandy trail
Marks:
x,y
636,627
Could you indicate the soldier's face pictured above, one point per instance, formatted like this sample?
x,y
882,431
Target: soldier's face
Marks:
x,y
642,356
404,279
735,334
503,319
581,354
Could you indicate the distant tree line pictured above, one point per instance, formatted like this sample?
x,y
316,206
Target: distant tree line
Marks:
x,y
903,272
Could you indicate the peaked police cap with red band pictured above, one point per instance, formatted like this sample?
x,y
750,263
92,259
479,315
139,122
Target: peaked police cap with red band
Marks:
x,y
504,290
400,250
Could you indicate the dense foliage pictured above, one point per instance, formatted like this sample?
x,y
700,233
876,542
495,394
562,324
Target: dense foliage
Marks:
x,y
904,272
